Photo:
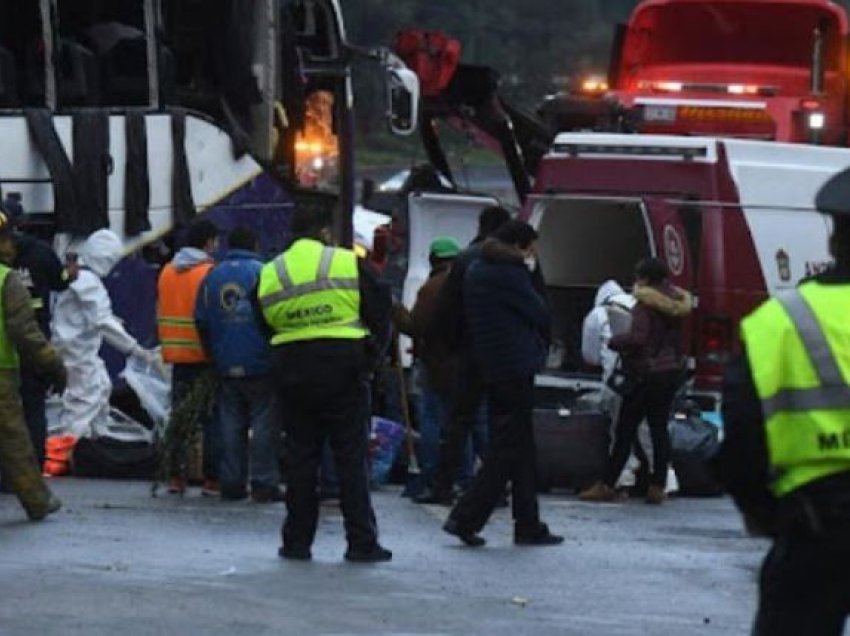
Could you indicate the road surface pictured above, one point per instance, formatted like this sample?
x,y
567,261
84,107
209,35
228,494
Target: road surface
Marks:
x,y
115,561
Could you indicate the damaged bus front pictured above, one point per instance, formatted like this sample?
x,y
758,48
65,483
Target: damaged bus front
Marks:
x,y
137,116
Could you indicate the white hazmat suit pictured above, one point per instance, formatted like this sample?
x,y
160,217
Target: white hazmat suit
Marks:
x,y
82,321
611,315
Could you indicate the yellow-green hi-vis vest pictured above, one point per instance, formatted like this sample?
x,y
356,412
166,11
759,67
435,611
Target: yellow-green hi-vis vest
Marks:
x,y
8,353
798,345
312,292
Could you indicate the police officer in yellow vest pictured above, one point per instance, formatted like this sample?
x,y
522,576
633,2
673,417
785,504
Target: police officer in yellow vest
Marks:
x,y
786,454
329,320
21,337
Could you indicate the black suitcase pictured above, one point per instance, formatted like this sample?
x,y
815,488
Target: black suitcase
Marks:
x,y
695,475
572,448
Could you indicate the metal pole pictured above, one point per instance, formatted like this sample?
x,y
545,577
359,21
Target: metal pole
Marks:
x,y
48,15
152,36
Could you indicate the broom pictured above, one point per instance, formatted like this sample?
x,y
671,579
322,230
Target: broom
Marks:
x,y
413,485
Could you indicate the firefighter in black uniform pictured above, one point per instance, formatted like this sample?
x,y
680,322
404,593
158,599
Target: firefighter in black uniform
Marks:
x,y
786,455
329,318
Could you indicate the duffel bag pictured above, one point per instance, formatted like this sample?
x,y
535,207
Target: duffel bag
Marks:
x,y
694,442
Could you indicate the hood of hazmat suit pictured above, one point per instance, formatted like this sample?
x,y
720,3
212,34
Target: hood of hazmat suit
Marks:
x,y
82,321
611,312
101,252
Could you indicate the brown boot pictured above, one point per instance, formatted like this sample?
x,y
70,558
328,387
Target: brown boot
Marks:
x,y
598,492
655,495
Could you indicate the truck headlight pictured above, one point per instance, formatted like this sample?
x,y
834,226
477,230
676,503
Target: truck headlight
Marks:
x,y
817,121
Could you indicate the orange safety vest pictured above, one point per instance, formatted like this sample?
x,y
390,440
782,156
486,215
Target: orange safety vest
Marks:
x,y
175,316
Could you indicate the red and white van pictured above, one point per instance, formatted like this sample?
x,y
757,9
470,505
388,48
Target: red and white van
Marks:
x,y
733,218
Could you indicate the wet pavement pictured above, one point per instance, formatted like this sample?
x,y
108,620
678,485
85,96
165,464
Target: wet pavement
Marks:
x,y
116,561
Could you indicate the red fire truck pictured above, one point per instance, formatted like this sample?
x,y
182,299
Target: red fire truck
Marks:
x,y
757,69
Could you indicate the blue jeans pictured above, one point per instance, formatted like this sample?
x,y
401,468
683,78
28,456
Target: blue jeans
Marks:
x,y
248,403
433,414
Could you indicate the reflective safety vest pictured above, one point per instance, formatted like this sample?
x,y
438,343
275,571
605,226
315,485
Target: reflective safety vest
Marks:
x,y
798,345
178,291
312,292
8,352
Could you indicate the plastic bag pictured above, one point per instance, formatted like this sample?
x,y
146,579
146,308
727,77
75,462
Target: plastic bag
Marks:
x,y
123,428
386,441
152,384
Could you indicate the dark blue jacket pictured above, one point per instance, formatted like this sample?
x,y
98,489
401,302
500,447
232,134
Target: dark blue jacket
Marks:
x,y
225,317
506,318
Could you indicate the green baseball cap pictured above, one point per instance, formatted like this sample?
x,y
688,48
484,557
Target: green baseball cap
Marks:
x,y
444,247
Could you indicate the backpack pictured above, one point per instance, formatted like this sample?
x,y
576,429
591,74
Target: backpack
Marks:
x,y
432,55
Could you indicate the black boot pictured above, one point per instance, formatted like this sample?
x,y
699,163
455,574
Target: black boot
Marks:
x,y
469,538
295,554
375,554
438,497
539,537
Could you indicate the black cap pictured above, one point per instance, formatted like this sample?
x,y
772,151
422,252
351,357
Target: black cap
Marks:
x,y
834,197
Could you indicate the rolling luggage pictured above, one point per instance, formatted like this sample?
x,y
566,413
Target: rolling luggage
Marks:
x,y
572,448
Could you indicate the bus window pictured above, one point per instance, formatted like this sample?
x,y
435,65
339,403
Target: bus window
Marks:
x,y
186,27
22,75
317,145
103,53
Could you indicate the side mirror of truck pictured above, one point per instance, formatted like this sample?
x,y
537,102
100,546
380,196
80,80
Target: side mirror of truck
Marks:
x,y
402,101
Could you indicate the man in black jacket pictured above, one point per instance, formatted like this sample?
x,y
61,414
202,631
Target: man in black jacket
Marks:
x,y
448,323
508,321
785,457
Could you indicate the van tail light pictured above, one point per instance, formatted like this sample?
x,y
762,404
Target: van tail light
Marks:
x,y
716,339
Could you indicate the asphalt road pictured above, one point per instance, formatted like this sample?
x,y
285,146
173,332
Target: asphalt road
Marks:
x,y
115,561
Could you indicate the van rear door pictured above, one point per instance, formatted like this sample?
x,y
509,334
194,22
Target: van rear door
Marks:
x,y
584,242
431,215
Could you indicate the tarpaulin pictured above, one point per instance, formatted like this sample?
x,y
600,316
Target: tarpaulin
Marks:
x,y
48,144
92,165
183,205
136,182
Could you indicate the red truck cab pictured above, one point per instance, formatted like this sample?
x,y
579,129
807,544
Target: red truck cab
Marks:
x,y
759,69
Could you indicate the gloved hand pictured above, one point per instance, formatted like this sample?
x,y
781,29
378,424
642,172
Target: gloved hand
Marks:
x,y
148,356
58,378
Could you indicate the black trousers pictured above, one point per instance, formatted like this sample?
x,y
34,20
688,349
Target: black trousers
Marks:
x,y
465,402
805,587
34,396
651,399
323,396
511,457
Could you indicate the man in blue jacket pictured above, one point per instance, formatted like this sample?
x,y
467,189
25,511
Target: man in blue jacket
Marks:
x,y
232,337
508,321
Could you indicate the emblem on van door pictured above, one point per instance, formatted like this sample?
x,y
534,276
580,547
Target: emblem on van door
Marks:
x,y
673,250
783,264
